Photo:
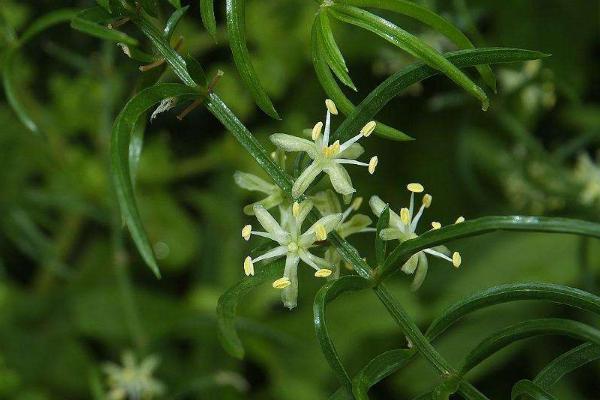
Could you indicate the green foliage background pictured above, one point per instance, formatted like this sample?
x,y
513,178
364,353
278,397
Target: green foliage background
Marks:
x,y
74,292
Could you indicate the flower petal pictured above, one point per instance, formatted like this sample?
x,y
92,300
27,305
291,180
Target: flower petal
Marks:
x,y
289,295
268,203
253,183
357,223
421,272
352,152
378,205
314,261
269,223
293,143
339,178
305,179
329,222
410,266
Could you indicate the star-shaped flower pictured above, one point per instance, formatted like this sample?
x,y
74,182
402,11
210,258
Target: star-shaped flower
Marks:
x,y
402,227
327,158
293,244
133,380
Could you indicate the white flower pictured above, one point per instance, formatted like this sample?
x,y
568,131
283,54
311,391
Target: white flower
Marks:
x,y
327,158
132,380
253,183
293,244
402,227
587,173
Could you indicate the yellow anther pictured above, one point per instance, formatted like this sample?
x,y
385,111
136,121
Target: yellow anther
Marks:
x,y
415,187
248,266
282,283
274,155
316,130
323,273
368,128
373,164
320,232
246,232
460,219
456,259
405,216
436,225
332,150
331,106
295,209
427,200
356,203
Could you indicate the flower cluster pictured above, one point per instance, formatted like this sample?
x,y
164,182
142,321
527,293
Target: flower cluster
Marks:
x,y
298,245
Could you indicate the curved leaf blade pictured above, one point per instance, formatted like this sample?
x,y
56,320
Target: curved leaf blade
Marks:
x,y
378,369
433,20
479,226
332,52
90,21
236,27
207,14
228,303
566,363
398,82
326,294
122,132
8,77
515,292
409,43
173,21
335,93
528,389
525,330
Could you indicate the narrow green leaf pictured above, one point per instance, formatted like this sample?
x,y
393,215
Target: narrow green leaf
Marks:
x,y
228,303
173,21
397,83
335,92
176,61
104,4
236,27
380,244
566,363
325,295
378,369
527,389
207,13
150,6
175,3
91,21
515,292
430,18
525,330
196,71
11,88
332,52
120,151
409,43
479,226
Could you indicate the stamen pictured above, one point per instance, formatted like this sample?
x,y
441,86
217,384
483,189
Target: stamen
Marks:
x,y
415,187
282,283
274,155
246,232
368,128
248,266
373,164
460,220
456,259
296,209
427,200
331,107
323,273
405,216
320,232
436,225
316,130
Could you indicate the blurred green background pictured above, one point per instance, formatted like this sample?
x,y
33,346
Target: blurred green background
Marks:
x,y
74,293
